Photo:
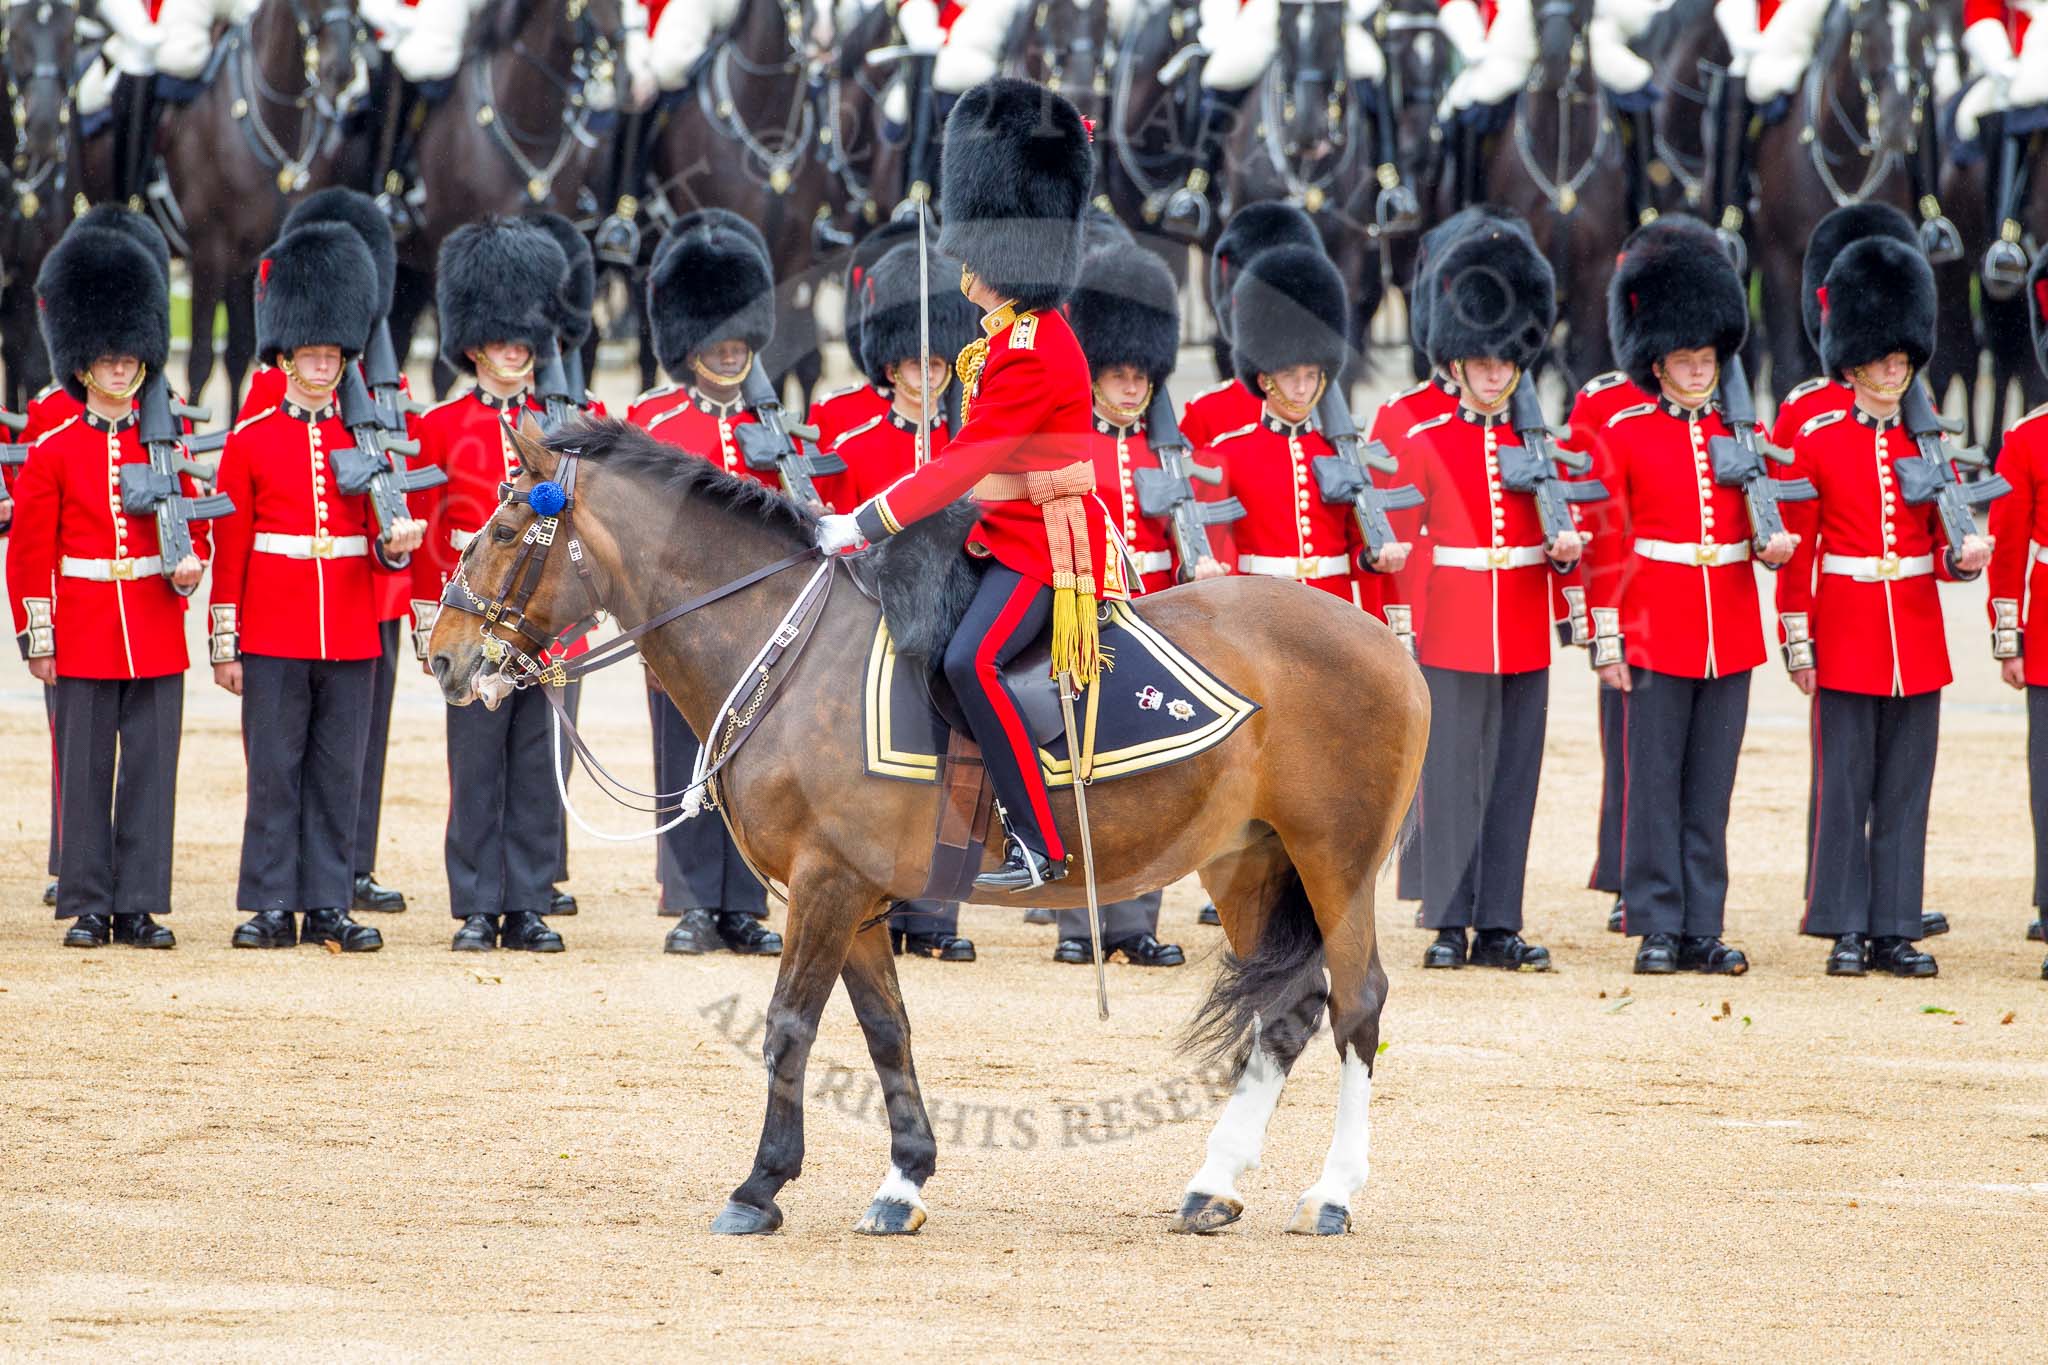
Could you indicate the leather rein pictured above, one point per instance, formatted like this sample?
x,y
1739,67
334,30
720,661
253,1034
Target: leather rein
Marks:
x,y
530,666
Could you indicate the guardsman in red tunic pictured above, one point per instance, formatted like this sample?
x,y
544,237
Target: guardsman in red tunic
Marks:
x,y
100,624
497,282
1287,342
1677,629
1230,406
841,411
1859,608
1480,577
294,609
2019,584
1026,412
711,309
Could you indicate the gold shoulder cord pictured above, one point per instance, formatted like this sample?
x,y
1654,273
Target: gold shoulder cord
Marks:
x,y
968,366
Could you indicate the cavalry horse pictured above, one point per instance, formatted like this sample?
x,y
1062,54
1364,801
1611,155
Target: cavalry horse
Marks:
x,y
1560,164
514,131
38,177
747,140
1691,56
1418,60
870,169
1064,46
1853,124
1288,821
1146,141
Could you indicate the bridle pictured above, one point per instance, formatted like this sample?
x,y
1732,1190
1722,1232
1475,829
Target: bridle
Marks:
x,y
1819,95
592,52
1560,184
319,116
37,184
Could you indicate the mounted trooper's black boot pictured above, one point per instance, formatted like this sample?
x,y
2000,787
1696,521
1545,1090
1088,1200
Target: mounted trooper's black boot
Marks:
x,y
1188,213
1395,208
1021,871
1641,138
617,240
398,192
1731,114
2005,261
1938,236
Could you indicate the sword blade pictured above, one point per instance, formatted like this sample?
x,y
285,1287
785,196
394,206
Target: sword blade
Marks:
x,y
1087,843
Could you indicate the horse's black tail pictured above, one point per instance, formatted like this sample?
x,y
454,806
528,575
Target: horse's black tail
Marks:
x,y
1278,991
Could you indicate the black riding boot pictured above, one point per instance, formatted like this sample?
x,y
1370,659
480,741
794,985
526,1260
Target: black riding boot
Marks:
x,y
928,110
1642,143
1730,189
1188,213
1470,165
1938,236
134,136
1395,208
395,176
2005,260
618,237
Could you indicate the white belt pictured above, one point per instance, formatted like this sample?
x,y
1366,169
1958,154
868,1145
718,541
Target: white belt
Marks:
x,y
110,570
459,540
1704,554
1877,568
1152,561
1301,570
312,547
1483,557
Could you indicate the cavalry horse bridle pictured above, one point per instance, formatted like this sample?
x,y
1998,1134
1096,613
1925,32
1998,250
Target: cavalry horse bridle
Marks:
x,y
1861,143
37,186
609,48
1561,185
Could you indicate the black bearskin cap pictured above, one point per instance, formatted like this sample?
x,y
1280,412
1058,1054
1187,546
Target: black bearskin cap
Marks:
x,y
1494,296
1100,230
1430,250
2037,306
1252,229
861,260
1849,223
1287,308
1127,312
496,281
577,295
100,293
889,298
1878,298
360,213
1672,290
140,226
1013,186
710,282
315,286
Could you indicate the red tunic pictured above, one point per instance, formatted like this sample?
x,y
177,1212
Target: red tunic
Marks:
x,y
878,452
838,413
1288,531
468,437
1477,569
1119,453
2019,524
68,507
1882,637
1806,402
1230,406
295,600
1030,411
50,409
690,421
1694,619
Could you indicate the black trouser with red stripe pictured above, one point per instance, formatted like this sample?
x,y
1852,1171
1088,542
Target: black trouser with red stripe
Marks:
x,y
1681,740
504,814
2037,786
1006,615
1479,778
1613,782
118,759
370,799
1875,761
303,725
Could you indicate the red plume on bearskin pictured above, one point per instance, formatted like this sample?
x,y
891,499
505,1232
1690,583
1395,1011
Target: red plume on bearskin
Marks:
x,y
319,289
1831,236
1252,229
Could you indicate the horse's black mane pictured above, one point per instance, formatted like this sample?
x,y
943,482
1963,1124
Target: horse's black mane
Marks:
x,y
632,452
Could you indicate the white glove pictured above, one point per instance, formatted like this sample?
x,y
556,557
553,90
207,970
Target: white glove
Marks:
x,y
838,533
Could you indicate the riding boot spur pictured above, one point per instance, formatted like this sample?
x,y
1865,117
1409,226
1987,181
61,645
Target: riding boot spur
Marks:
x,y
399,192
1189,212
1938,236
2005,261
1731,173
1395,208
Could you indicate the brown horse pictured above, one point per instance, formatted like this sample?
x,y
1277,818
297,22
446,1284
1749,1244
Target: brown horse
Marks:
x,y
1288,821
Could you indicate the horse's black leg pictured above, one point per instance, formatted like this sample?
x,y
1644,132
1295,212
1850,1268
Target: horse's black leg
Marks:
x,y
821,923
199,359
241,304
870,976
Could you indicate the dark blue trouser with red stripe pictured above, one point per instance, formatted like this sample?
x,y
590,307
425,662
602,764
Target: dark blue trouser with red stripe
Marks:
x,y
1007,614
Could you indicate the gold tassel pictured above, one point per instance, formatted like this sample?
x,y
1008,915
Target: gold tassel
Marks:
x,y
1065,625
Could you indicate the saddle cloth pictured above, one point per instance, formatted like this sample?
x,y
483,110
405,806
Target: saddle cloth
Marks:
x,y
1157,707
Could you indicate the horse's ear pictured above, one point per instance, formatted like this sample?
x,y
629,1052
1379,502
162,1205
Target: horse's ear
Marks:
x,y
534,456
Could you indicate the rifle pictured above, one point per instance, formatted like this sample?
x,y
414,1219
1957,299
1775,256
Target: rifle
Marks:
x,y
1532,466
376,463
768,442
1739,459
153,488
14,454
551,386
1931,476
1169,491
1342,478
381,373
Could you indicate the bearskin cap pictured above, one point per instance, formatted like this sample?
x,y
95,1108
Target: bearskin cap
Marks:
x,y
889,299
1494,296
100,293
360,213
711,282
577,295
496,281
1101,229
1673,289
1878,298
1429,251
1013,186
1849,223
2037,306
860,261
1252,229
315,286
140,226
1127,312
1287,308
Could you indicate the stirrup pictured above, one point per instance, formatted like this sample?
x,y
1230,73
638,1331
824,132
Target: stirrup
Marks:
x,y
1396,210
1735,249
2004,270
1187,215
617,239
1940,241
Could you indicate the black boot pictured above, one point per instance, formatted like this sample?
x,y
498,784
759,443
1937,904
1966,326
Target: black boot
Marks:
x,y
1938,236
50,893
743,934
944,947
1470,159
140,931
524,931
1507,949
2034,930
1617,916
370,896
1658,955
1395,208
561,903
1731,116
1021,871
1849,957
1188,212
1447,951
88,931
1039,914
394,176
334,926
1698,953
617,240
1642,146
696,932
478,934
1899,957
1207,915
2005,261
134,132
267,929
1145,950
1932,923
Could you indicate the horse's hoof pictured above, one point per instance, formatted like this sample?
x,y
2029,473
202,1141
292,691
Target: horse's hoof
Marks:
x,y
1320,1220
744,1220
1206,1213
890,1218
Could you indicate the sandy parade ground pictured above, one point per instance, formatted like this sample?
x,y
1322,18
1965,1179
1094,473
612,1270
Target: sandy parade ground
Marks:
x,y
255,1156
